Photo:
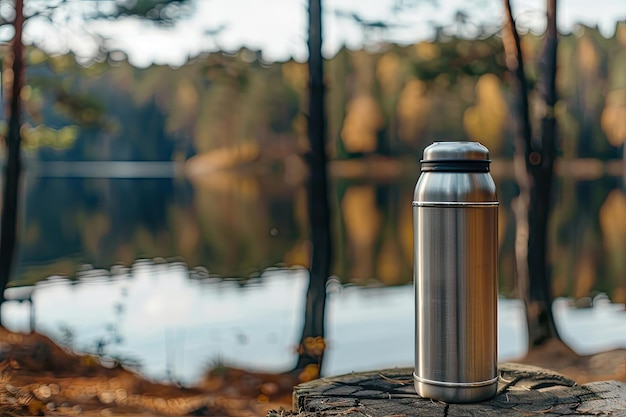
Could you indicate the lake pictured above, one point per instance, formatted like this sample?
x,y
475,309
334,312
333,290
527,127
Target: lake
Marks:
x,y
179,275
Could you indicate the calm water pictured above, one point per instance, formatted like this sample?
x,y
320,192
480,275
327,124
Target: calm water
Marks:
x,y
176,327
206,288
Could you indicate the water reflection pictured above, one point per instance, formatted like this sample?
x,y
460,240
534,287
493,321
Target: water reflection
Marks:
x,y
237,224
170,324
176,328
208,296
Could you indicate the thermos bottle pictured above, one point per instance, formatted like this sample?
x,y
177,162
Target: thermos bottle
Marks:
x,y
455,235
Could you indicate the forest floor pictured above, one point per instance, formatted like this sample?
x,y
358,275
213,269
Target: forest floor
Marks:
x,y
38,377
556,355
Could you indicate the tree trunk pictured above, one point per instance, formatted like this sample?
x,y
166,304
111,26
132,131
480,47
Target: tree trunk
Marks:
x,y
542,172
312,343
534,167
13,165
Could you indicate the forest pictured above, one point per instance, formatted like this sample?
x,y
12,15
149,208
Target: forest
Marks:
x,y
391,101
247,142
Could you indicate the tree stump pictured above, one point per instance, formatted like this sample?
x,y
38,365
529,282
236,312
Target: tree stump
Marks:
x,y
522,391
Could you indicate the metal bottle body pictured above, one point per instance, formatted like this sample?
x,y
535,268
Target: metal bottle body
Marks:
x,y
455,278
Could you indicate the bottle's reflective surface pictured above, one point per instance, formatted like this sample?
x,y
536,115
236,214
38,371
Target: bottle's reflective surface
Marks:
x,y
455,213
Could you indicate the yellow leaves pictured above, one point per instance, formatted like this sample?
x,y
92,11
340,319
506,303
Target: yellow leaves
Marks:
x,y
361,125
361,216
585,275
613,224
404,231
296,75
299,254
185,107
222,158
486,120
7,77
26,92
67,135
612,219
34,137
60,63
388,263
530,46
89,360
186,95
387,72
619,295
413,109
313,346
427,50
36,56
362,220
613,119
229,182
620,33
588,57
309,373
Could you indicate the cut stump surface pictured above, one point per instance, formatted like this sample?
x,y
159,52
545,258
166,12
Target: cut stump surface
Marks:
x,y
522,391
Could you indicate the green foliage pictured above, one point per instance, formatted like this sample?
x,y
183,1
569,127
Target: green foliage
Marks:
x,y
456,58
44,136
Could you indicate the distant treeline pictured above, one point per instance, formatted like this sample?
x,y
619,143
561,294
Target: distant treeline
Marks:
x,y
392,101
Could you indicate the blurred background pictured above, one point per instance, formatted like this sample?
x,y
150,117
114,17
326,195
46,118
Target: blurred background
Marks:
x,y
163,206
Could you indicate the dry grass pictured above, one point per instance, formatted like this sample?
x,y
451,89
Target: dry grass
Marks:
x,y
37,377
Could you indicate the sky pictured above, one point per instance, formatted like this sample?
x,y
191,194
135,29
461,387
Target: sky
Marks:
x,y
278,27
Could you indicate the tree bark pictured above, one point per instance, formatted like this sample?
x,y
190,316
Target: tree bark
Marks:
x,y
542,173
312,343
13,164
523,391
534,169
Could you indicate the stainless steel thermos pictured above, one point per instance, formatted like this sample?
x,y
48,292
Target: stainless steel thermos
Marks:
x,y
455,215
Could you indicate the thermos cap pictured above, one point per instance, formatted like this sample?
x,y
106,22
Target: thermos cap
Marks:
x,y
456,150
456,157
